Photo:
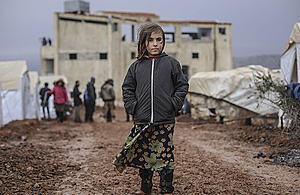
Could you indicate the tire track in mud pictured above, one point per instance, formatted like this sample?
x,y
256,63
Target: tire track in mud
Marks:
x,y
227,166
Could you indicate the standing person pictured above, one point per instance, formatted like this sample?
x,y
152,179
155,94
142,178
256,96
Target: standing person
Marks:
x,y
90,100
153,90
77,102
108,95
45,101
44,41
60,98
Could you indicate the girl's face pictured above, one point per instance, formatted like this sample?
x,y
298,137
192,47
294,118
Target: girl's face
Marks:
x,y
59,83
154,44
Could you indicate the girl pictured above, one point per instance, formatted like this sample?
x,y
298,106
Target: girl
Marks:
x,y
153,90
60,97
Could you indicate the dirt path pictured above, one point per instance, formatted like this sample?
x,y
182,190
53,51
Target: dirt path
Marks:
x,y
209,160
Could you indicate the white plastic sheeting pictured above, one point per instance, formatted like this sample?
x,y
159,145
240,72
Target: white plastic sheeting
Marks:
x,y
16,101
233,86
34,95
290,63
1,116
16,104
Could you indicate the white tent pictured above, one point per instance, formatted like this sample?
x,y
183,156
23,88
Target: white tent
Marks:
x,y
1,117
15,91
233,86
50,79
290,66
34,94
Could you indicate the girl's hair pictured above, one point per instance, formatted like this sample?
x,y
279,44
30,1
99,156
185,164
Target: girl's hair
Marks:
x,y
144,33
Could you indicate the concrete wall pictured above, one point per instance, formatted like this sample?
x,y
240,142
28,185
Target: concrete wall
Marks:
x,y
47,55
223,48
89,35
205,108
87,40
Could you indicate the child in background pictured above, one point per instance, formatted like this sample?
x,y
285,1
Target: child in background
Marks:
x,y
153,90
60,98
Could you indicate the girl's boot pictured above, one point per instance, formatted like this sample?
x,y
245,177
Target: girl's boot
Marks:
x,y
166,179
146,184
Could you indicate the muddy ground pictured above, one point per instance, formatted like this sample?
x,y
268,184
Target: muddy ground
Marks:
x,y
76,158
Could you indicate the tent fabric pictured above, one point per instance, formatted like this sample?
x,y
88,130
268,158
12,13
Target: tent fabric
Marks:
x,y
233,86
34,80
16,101
16,104
294,37
10,72
287,62
290,63
34,92
1,115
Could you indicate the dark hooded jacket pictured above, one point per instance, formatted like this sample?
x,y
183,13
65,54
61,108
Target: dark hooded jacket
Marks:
x,y
91,93
154,89
77,99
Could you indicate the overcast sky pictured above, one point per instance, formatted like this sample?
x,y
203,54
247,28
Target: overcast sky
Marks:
x,y
258,26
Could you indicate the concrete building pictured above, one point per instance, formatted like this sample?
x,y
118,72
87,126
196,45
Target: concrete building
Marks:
x,y
103,45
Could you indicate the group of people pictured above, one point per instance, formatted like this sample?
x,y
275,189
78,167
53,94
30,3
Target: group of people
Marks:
x,y
61,99
44,41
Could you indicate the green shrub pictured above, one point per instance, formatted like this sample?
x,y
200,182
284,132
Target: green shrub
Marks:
x,y
275,93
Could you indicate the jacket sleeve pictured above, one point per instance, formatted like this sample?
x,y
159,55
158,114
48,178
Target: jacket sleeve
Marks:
x,y
51,91
76,92
112,93
128,88
181,87
91,93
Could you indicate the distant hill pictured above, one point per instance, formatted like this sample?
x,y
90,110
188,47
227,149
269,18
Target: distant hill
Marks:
x,y
269,61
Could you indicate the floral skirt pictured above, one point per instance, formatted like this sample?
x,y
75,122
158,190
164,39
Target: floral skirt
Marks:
x,y
148,147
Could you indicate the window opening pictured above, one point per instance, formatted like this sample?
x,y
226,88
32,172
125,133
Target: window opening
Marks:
x,y
195,55
72,56
133,55
205,33
190,33
169,33
222,31
103,56
115,27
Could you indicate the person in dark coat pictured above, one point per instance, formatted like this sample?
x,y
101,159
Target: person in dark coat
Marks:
x,y
77,102
45,100
90,101
44,41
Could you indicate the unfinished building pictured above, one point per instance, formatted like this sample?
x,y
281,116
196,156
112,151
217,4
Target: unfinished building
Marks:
x,y
103,45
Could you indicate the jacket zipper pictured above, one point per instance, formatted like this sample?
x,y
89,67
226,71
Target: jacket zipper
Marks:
x,y
152,94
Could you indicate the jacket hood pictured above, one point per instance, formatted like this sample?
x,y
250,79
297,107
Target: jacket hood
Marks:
x,y
89,83
163,54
